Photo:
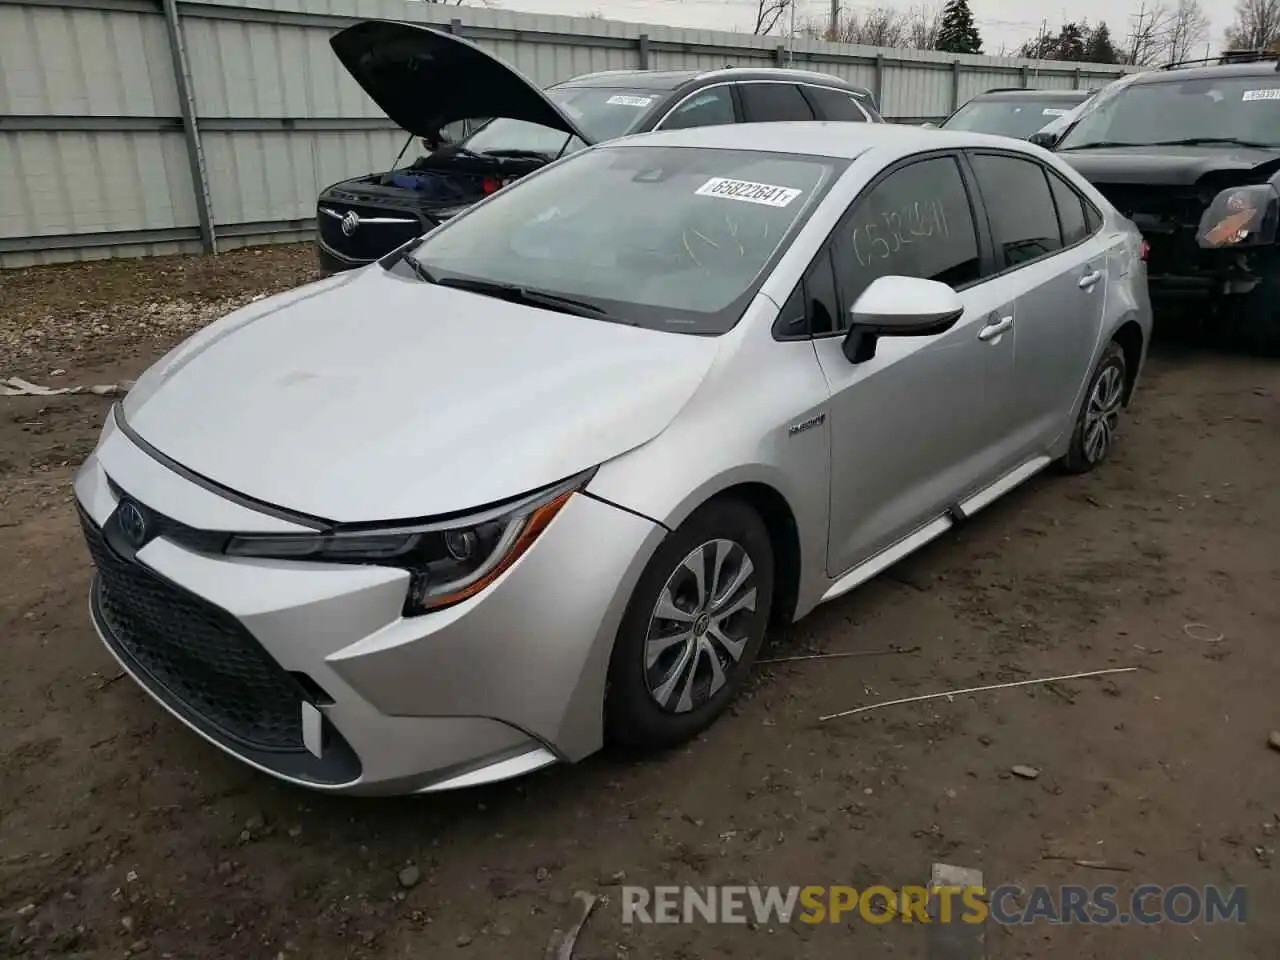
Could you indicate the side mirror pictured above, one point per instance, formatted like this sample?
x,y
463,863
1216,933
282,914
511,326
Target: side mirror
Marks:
x,y
1042,139
899,307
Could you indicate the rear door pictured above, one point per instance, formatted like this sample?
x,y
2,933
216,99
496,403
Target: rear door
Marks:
x,y
1056,270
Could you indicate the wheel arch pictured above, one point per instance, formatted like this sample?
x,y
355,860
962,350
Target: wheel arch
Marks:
x,y
1132,342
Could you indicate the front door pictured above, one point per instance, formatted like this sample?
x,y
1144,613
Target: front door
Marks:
x,y
918,426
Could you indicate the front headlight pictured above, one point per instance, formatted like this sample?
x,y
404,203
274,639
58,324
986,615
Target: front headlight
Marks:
x,y
448,561
1240,216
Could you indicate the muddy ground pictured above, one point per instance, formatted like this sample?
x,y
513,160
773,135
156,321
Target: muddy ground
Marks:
x,y
123,834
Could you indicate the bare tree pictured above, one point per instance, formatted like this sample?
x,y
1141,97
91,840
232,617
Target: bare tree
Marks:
x,y
923,24
768,13
915,29
1257,25
1186,28
1146,44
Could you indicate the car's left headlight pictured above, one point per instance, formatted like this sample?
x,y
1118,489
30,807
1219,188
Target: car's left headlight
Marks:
x,y
448,560
1240,217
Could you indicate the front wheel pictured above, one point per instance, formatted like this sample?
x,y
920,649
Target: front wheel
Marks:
x,y
692,629
1099,416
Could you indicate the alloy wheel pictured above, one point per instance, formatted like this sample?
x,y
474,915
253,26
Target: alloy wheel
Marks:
x,y
1102,415
700,625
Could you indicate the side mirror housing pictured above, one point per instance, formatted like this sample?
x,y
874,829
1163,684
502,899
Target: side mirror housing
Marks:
x,y
1042,139
899,307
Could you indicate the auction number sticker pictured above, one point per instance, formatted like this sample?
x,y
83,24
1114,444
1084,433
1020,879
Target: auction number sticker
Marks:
x,y
748,191
1272,93
623,100
1053,112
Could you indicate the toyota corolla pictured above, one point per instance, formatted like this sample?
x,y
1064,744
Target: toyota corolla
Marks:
x,y
543,477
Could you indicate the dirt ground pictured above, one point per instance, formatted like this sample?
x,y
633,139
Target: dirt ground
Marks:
x,y
121,833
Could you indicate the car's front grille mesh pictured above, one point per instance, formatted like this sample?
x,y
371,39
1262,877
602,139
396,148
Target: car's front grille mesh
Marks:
x,y
199,653
369,241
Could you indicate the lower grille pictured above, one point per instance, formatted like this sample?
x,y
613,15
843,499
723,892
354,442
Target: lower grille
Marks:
x,y
369,240
198,653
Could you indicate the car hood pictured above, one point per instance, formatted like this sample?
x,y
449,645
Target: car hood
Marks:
x,y
1165,166
425,79
370,397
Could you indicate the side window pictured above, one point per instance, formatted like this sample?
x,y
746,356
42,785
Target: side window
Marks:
x,y
832,104
915,223
762,102
812,307
706,108
1070,211
1024,223
1092,217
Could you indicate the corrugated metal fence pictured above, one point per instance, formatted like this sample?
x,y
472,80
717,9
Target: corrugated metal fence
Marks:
x,y
134,127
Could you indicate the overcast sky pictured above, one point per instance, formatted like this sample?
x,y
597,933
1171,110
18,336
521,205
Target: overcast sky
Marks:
x,y
1007,22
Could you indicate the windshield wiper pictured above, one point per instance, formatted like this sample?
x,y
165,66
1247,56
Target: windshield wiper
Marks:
x,y
517,294
515,154
1202,141
1092,144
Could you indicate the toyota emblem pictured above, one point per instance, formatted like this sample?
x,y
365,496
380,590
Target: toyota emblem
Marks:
x,y
350,223
132,523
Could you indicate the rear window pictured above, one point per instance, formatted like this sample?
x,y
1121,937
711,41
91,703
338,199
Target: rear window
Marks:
x,y
701,227
1008,118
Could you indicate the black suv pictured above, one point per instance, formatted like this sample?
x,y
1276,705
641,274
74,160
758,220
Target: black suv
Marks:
x,y
1191,153
429,82
1014,112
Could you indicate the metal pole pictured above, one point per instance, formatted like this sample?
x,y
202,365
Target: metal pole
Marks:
x,y
835,20
791,39
195,152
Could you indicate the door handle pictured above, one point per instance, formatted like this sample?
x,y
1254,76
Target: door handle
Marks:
x,y
994,329
1089,279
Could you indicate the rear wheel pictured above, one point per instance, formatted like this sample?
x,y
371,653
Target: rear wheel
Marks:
x,y
1099,417
1256,325
692,629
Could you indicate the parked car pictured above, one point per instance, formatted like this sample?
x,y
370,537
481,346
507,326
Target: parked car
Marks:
x,y
1052,131
1192,155
425,79
537,480
1014,112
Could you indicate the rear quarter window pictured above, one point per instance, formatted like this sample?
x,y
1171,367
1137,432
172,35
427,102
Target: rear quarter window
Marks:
x,y
832,104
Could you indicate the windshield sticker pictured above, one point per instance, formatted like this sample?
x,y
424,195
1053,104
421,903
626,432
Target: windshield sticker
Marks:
x,y
1272,93
1053,112
622,100
748,191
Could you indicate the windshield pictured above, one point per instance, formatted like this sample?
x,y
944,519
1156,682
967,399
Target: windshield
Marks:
x,y
1166,111
673,238
602,113
1007,118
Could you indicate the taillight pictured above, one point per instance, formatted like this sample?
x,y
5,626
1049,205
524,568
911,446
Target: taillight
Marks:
x,y
490,185
1144,251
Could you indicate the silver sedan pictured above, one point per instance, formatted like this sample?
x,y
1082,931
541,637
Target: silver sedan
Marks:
x,y
543,477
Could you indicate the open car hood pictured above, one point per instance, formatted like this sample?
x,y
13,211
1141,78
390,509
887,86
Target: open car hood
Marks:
x,y
425,79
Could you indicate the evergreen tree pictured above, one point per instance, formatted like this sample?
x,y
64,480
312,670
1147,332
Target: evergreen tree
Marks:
x,y
958,33
1070,43
1098,47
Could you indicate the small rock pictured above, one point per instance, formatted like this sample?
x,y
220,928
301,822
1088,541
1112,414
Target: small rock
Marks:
x,y
255,823
140,945
409,877
1026,773
464,940
245,836
27,911
1273,741
541,874
984,740
619,876
126,924
295,832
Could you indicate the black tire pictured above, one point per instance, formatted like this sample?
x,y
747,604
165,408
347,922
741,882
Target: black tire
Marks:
x,y
633,715
1255,322
1081,456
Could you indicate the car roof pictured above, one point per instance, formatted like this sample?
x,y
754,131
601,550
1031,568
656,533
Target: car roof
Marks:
x,y
671,79
1259,68
818,138
1068,96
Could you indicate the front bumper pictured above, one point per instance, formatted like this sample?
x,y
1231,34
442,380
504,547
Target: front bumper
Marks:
x,y
330,261
507,682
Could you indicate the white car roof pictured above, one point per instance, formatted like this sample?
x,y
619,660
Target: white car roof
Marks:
x,y
836,139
